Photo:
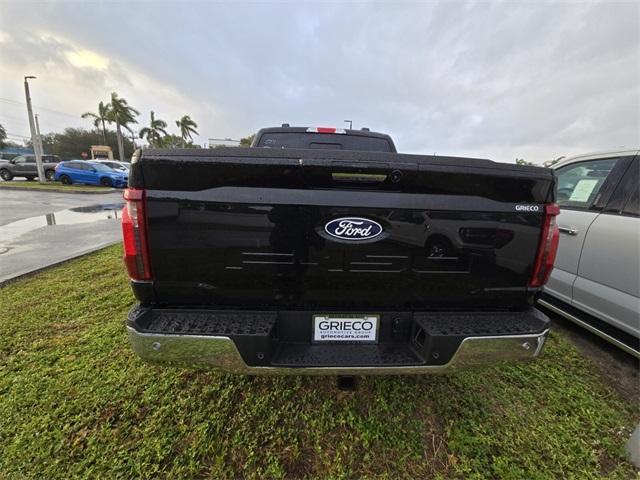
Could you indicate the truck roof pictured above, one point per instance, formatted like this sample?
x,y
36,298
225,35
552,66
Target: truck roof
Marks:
x,y
324,130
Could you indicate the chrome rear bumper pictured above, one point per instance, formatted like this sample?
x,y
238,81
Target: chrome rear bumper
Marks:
x,y
220,352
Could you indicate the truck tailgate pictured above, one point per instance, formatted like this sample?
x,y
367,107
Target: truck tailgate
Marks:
x,y
252,227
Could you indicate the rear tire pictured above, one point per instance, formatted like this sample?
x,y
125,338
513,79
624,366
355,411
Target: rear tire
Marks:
x,y
49,175
65,179
106,182
6,175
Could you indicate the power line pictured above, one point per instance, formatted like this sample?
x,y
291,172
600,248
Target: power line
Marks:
x,y
16,135
15,102
2,115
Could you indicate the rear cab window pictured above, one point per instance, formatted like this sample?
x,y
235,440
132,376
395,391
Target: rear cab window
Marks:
x,y
324,141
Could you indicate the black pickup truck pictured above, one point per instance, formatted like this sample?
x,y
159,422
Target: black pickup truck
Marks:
x,y
323,251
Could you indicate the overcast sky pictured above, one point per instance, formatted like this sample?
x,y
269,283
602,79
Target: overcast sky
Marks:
x,y
492,79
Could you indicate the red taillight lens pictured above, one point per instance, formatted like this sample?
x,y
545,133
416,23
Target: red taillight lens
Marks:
x,y
547,248
341,131
134,234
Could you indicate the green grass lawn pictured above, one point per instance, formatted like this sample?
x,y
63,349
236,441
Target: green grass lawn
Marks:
x,y
76,402
55,187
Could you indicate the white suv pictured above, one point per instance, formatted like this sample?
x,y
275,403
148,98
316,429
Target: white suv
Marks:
x,y
115,165
596,277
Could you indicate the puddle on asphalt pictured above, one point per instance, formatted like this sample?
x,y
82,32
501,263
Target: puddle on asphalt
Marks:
x,y
71,216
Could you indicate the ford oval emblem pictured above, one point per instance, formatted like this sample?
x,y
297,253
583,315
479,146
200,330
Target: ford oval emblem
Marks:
x,y
353,228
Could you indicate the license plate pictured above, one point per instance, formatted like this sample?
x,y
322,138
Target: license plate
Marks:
x,y
345,328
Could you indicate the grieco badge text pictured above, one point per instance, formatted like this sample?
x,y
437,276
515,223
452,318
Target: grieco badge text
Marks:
x,y
527,208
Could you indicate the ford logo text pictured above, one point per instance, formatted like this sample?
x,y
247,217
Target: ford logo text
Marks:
x,y
353,228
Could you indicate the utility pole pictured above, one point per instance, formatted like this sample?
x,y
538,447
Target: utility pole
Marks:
x,y
350,124
32,127
39,136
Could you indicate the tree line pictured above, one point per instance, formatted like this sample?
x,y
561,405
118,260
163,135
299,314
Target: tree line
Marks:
x,y
69,143
548,163
118,111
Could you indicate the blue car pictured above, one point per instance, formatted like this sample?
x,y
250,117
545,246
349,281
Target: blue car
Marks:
x,y
89,173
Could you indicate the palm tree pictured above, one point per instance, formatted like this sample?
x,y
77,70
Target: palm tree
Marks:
x,y
133,136
100,119
153,131
122,114
187,127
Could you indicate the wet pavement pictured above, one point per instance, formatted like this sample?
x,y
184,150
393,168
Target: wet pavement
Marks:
x,y
38,229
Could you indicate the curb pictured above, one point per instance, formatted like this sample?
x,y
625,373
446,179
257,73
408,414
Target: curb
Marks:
x,y
60,190
633,447
29,273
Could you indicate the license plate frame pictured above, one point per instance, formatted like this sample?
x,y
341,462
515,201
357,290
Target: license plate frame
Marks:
x,y
346,332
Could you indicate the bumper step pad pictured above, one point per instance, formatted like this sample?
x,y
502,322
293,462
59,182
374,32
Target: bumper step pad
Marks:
x,y
481,324
220,323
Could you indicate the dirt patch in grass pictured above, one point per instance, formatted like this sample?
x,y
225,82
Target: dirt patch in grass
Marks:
x,y
75,402
617,369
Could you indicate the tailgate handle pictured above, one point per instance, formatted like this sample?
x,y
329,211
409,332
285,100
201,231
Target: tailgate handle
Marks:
x,y
358,177
356,164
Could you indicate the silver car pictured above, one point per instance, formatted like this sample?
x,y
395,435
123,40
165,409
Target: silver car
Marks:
x,y
116,165
596,278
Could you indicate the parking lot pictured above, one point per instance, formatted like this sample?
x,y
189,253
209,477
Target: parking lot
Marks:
x,y
38,229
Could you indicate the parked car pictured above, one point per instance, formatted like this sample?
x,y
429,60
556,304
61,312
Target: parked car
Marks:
x,y
313,256
89,173
596,279
115,165
25,166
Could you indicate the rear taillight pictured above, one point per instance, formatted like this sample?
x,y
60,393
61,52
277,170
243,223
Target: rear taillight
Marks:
x,y
547,248
134,232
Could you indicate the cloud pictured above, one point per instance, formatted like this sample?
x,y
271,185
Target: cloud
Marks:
x,y
494,79
87,59
80,78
